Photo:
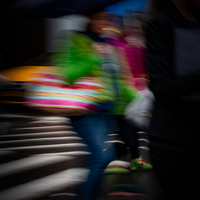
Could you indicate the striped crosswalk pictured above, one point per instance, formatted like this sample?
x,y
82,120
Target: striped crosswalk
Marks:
x,y
42,156
46,185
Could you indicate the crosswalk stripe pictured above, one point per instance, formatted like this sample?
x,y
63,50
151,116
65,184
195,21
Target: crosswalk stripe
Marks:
x,y
44,146
144,148
30,163
144,140
63,194
50,123
54,118
46,185
142,132
39,133
113,134
115,141
41,139
41,127
71,153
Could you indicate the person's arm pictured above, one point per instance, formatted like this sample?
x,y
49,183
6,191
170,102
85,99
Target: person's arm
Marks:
x,y
76,57
166,87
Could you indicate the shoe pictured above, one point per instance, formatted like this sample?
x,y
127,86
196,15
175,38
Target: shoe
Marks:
x,y
118,167
140,163
116,170
119,163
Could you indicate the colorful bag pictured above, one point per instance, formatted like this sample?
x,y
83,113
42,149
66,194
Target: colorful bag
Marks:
x,y
50,92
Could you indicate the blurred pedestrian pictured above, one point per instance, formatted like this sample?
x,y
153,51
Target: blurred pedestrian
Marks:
x,y
133,61
134,39
174,131
88,54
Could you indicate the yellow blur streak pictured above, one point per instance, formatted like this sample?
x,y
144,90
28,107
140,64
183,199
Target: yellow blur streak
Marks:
x,y
22,73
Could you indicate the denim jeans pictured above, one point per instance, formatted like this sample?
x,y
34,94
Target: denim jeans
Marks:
x,y
93,129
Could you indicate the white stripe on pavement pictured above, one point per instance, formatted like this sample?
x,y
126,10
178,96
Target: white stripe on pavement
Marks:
x,y
49,122
41,139
52,118
37,134
113,134
63,194
46,185
144,148
71,153
31,162
144,140
41,127
142,132
44,146
115,141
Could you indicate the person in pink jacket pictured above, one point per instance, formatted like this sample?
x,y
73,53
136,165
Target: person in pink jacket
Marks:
x,y
134,42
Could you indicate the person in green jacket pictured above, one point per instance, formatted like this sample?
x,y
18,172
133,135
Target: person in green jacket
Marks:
x,y
82,54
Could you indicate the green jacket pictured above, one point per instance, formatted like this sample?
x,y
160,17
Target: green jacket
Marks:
x,y
74,54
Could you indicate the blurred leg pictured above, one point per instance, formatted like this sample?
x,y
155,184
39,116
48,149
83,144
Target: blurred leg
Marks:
x,y
94,130
129,136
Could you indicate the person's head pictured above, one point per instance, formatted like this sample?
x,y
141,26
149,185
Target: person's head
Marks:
x,y
99,21
133,25
98,18
114,28
134,29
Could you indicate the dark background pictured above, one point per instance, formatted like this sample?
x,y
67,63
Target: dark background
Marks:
x,y
21,37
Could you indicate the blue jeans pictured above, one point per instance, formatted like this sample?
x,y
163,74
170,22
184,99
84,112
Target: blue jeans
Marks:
x,y
93,129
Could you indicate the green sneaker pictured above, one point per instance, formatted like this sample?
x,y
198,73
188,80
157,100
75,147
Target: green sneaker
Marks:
x,y
140,163
116,170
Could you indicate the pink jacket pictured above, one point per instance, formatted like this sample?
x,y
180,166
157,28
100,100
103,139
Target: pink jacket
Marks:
x,y
136,59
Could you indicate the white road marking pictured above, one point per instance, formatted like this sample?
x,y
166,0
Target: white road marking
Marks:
x,y
31,162
144,148
46,185
142,132
144,140
113,134
41,127
71,153
44,146
63,194
39,134
41,139
115,141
